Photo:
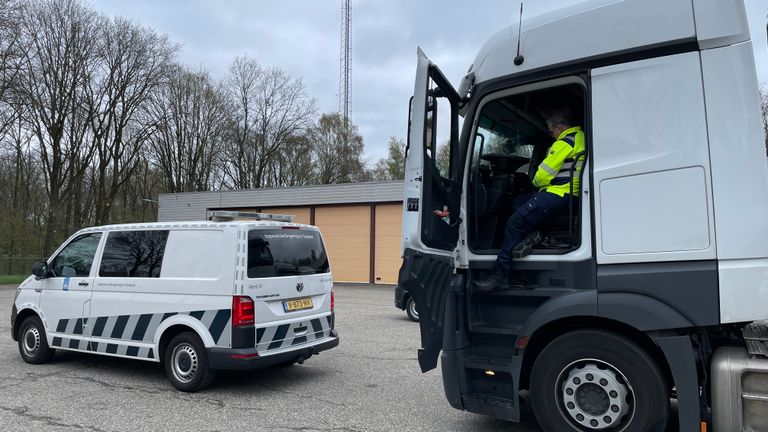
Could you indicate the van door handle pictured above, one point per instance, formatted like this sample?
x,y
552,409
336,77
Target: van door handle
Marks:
x,y
38,290
83,284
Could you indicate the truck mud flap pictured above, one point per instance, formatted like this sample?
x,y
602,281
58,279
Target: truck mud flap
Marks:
x,y
427,278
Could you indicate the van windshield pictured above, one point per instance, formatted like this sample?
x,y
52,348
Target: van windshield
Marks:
x,y
285,252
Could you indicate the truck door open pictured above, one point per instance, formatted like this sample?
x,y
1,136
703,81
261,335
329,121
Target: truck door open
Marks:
x,y
431,211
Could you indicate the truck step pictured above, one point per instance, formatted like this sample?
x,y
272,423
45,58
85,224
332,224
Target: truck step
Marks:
x,y
495,328
505,409
488,363
756,337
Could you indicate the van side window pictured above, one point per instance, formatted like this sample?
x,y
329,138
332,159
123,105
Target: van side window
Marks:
x,y
133,254
76,258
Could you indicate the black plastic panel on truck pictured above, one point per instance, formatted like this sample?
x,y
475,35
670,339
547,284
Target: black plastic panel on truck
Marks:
x,y
679,294
426,277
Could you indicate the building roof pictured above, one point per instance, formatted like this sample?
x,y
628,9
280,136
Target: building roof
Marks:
x,y
193,205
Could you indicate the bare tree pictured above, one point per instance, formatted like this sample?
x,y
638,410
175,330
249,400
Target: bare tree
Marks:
x,y
60,37
269,110
133,63
189,118
337,150
10,59
22,185
292,165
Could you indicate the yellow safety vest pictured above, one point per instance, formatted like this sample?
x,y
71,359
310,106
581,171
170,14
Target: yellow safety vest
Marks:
x,y
554,173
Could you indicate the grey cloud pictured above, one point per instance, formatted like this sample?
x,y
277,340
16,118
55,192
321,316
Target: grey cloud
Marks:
x,y
302,38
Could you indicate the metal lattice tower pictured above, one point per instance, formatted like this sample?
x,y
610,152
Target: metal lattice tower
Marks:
x,y
344,62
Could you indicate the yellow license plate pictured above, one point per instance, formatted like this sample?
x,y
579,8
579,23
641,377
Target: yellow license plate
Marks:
x,y
298,304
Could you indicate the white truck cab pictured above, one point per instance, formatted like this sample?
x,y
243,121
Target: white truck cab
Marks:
x,y
650,285
241,291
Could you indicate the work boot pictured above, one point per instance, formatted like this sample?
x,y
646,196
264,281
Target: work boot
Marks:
x,y
496,281
525,247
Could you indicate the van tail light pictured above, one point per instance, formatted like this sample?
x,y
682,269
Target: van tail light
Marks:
x,y
333,300
242,311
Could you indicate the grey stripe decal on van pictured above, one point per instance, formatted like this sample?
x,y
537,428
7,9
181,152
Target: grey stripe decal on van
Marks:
x,y
219,323
98,328
103,348
285,335
140,327
117,331
78,326
279,336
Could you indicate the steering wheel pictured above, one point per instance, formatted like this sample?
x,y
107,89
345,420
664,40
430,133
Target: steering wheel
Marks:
x,y
508,163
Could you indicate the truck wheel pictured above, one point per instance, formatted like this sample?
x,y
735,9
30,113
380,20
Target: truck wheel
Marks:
x,y
186,363
410,309
594,380
33,346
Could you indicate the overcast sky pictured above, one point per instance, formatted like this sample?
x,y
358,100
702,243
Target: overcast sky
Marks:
x,y
302,37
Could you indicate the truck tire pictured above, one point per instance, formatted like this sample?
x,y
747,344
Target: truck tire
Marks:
x,y
410,309
33,345
596,380
186,363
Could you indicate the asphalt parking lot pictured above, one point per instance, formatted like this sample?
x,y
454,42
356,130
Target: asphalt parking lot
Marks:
x,y
371,382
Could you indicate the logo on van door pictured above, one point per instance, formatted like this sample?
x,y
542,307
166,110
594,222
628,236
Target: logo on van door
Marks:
x,y
300,286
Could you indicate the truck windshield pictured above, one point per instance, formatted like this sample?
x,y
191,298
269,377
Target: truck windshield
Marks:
x,y
284,252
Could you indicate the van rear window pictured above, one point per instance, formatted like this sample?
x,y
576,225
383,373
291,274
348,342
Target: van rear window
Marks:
x,y
279,252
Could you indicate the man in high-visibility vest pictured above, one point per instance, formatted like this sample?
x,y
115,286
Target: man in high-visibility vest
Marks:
x,y
553,181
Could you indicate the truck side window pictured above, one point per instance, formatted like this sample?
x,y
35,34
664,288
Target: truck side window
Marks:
x,y
438,136
511,140
76,258
133,254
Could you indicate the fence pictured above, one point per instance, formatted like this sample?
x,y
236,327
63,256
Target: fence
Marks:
x,y
17,265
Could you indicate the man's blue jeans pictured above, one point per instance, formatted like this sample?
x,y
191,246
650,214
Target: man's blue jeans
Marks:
x,y
530,210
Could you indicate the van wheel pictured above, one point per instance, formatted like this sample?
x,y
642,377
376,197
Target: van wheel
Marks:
x,y
186,363
33,346
592,380
410,309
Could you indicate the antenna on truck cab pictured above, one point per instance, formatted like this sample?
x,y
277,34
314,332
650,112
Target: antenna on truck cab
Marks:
x,y
518,58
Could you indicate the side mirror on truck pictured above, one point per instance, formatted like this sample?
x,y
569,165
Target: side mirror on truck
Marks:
x,y
40,270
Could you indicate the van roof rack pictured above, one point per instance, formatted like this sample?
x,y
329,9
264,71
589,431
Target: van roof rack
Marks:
x,y
226,216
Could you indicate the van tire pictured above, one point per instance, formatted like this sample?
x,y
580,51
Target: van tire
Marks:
x,y
33,345
186,363
595,380
411,311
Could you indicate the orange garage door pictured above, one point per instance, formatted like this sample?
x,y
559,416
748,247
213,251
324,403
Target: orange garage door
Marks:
x,y
347,234
389,221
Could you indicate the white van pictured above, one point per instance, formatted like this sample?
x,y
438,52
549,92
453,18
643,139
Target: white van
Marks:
x,y
242,291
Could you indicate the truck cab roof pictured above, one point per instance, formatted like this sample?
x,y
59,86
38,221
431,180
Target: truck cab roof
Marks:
x,y
595,29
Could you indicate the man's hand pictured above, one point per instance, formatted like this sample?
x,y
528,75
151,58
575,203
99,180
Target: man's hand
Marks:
x,y
441,213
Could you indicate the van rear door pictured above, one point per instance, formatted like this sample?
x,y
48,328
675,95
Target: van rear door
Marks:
x,y
287,269
431,203
288,277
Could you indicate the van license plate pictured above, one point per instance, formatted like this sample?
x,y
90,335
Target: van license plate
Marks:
x,y
298,304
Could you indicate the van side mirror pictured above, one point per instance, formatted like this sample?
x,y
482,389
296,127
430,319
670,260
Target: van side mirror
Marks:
x,y
40,270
